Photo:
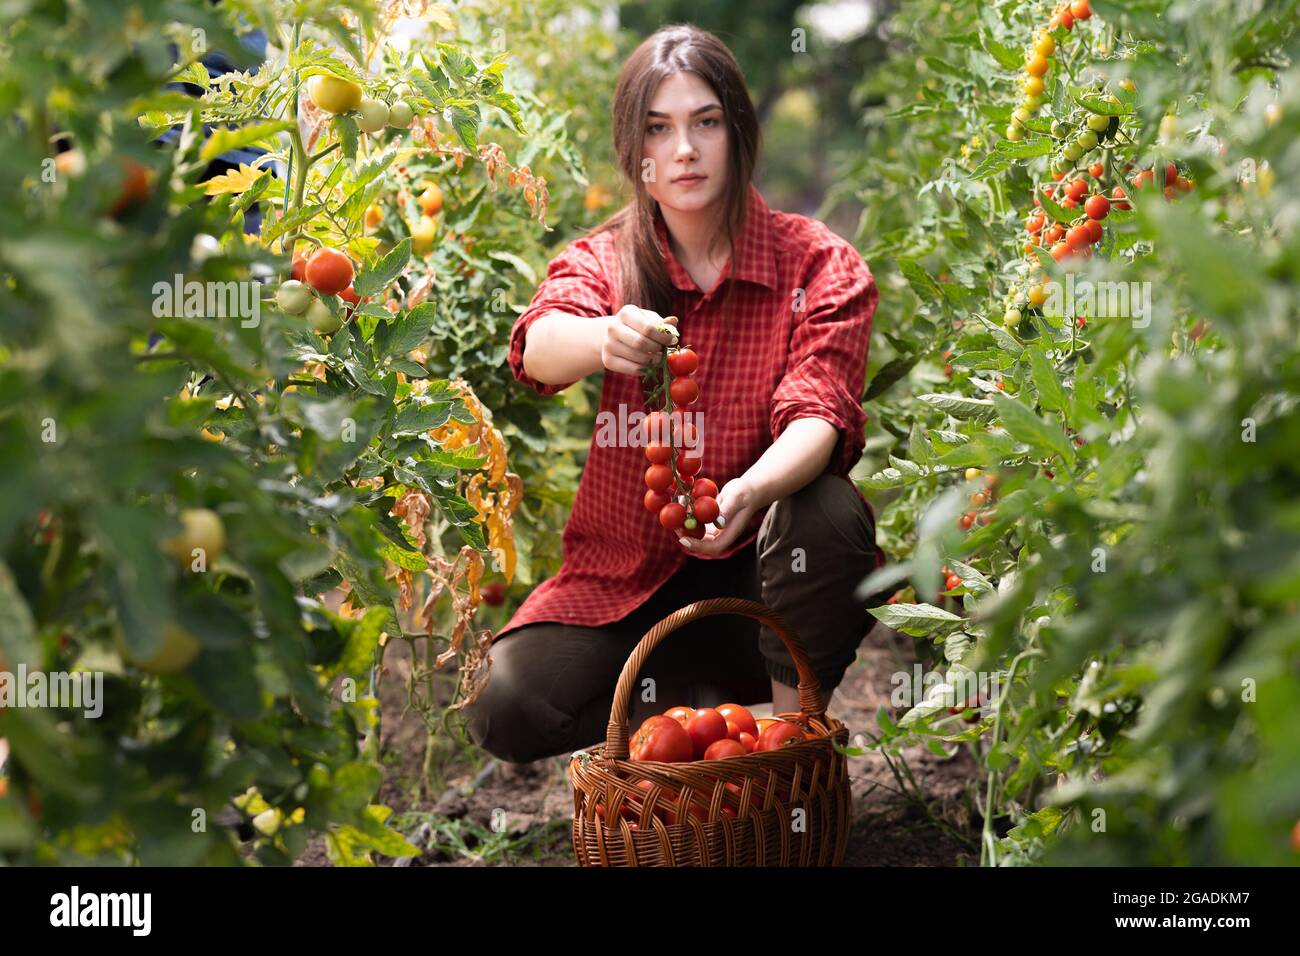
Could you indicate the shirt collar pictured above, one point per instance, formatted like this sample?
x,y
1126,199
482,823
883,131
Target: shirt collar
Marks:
x,y
753,257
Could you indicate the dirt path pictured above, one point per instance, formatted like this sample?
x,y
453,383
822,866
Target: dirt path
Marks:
x,y
532,804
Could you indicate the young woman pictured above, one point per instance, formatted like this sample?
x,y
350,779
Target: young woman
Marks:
x,y
779,310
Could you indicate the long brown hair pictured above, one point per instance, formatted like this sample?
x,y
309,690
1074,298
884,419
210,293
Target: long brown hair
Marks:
x,y
669,50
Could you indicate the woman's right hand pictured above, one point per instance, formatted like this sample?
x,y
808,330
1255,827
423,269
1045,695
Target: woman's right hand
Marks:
x,y
633,337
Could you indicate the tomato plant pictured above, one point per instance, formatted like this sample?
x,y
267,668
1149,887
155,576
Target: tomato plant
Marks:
x,y
1125,583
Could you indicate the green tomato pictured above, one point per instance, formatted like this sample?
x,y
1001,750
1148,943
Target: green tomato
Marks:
x,y
1060,165
1020,117
1059,129
400,114
1072,152
1097,122
293,297
320,318
1013,133
1032,103
178,650
1011,318
1087,140
373,116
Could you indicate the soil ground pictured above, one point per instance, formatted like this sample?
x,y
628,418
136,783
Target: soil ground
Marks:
x,y
930,823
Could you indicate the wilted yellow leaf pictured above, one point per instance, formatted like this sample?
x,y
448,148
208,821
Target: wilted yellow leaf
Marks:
x,y
236,181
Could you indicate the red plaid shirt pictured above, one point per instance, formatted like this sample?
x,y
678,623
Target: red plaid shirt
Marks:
x,y
775,364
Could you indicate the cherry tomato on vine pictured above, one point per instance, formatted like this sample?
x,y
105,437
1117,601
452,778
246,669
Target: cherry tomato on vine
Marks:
x,y
672,516
1096,170
655,500
1117,194
684,391
329,271
704,488
1081,9
659,454
1095,231
688,465
706,509
659,478
1076,188
683,362
1097,207
1076,237
494,593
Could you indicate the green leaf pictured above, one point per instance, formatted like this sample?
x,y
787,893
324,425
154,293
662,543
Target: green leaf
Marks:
x,y
1025,426
223,140
1050,393
379,277
416,419
914,619
958,406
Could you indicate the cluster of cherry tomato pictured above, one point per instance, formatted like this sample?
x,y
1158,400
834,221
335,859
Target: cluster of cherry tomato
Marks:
x,y
327,272
1038,62
682,735
982,501
684,501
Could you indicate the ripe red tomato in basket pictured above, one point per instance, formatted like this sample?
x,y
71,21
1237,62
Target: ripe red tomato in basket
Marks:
x,y
704,728
749,740
740,716
756,795
666,807
680,714
779,735
721,749
661,738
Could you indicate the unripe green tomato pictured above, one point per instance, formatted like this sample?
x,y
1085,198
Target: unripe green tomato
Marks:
x,y
1072,152
690,524
1087,140
1013,133
293,297
334,95
1097,122
1020,117
1032,103
1011,318
400,114
320,318
372,115
1060,165
268,821
1059,129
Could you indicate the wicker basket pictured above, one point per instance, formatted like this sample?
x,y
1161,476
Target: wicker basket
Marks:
x,y
754,822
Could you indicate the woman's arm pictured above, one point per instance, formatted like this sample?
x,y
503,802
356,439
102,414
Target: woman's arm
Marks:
x,y
799,455
562,348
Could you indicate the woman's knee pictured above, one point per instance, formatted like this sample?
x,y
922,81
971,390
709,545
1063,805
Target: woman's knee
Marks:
x,y
504,718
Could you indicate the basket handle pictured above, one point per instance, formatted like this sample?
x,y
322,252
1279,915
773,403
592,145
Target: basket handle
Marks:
x,y
810,689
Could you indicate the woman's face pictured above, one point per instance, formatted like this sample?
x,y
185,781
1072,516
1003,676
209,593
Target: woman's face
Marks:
x,y
686,145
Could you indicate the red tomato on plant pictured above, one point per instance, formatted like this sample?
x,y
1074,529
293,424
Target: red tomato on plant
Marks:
x,y
705,727
329,271
1095,231
1076,188
1096,170
721,749
683,362
1097,207
740,716
661,738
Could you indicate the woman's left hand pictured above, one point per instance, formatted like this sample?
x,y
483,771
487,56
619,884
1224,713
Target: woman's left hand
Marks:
x,y
737,502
